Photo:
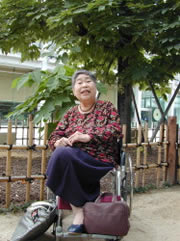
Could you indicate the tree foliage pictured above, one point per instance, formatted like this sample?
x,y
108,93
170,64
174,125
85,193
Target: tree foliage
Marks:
x,y
125,41
52,95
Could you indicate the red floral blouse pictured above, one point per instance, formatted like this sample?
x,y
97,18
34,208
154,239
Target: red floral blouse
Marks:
x,y
102,124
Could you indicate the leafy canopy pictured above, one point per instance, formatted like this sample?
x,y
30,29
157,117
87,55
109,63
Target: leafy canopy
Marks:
x,y
125,41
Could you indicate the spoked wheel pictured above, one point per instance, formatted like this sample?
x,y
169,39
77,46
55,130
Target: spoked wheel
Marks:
x,y
127,181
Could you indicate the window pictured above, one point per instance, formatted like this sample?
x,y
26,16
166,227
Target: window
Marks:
x,y
148,101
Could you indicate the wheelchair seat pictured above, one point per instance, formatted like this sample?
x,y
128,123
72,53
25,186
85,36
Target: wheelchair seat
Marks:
x,y
122,186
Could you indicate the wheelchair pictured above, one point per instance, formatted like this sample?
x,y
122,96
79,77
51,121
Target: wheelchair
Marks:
x,y
122,178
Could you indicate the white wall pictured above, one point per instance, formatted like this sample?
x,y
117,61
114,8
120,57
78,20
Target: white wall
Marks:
x,y
111,95
11,68
7,93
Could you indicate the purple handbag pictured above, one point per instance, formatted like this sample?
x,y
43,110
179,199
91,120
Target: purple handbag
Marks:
x,y
102,217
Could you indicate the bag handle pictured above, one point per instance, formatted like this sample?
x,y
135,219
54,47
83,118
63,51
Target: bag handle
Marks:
x,y
114,197
43,203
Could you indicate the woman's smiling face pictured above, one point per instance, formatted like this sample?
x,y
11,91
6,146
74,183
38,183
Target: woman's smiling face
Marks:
x,y
84,88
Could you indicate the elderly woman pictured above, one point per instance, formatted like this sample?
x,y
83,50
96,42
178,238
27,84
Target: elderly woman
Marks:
x,y
84,148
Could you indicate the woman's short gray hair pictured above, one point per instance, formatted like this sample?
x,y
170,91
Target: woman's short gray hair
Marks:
x,y
82,71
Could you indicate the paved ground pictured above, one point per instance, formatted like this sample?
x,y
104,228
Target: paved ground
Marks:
x,y
155,217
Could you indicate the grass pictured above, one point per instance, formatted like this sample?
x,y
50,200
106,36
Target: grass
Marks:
x,y
13,208
144,189
150,187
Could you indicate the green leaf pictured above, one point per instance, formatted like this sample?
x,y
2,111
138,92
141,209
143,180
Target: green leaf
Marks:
x,y
62,110
65,58
14,83
52,83
76,49
164,40
101,88
20,82
45,111
79,10
51,127
41,117
177,46
60,70
67,20
101,8
36,76
62,99
165,10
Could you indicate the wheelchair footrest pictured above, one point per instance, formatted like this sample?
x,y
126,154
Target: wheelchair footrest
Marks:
x,y
86,235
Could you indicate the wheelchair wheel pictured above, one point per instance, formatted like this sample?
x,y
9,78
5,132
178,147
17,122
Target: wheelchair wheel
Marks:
x,y
127,181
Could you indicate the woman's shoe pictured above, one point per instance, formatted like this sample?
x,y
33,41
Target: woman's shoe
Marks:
x,y
76,229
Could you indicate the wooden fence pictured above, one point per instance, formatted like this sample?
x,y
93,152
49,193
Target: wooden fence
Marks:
x,y
30,147
20,129
156,163
153,163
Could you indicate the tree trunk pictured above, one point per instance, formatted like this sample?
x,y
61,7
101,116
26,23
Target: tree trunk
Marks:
x,y
124,108
125,100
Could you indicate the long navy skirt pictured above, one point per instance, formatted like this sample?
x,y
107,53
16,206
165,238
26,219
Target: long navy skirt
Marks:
x,y
75,176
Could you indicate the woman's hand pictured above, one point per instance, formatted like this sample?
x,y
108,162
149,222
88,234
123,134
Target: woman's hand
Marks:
x,y
76,137
79,137
62,142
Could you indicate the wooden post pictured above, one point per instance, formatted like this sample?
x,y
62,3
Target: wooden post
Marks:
x,y
145,152
29,161
8,164
178,156
164,168
138,156
172,168
124,131
43,162
159,155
